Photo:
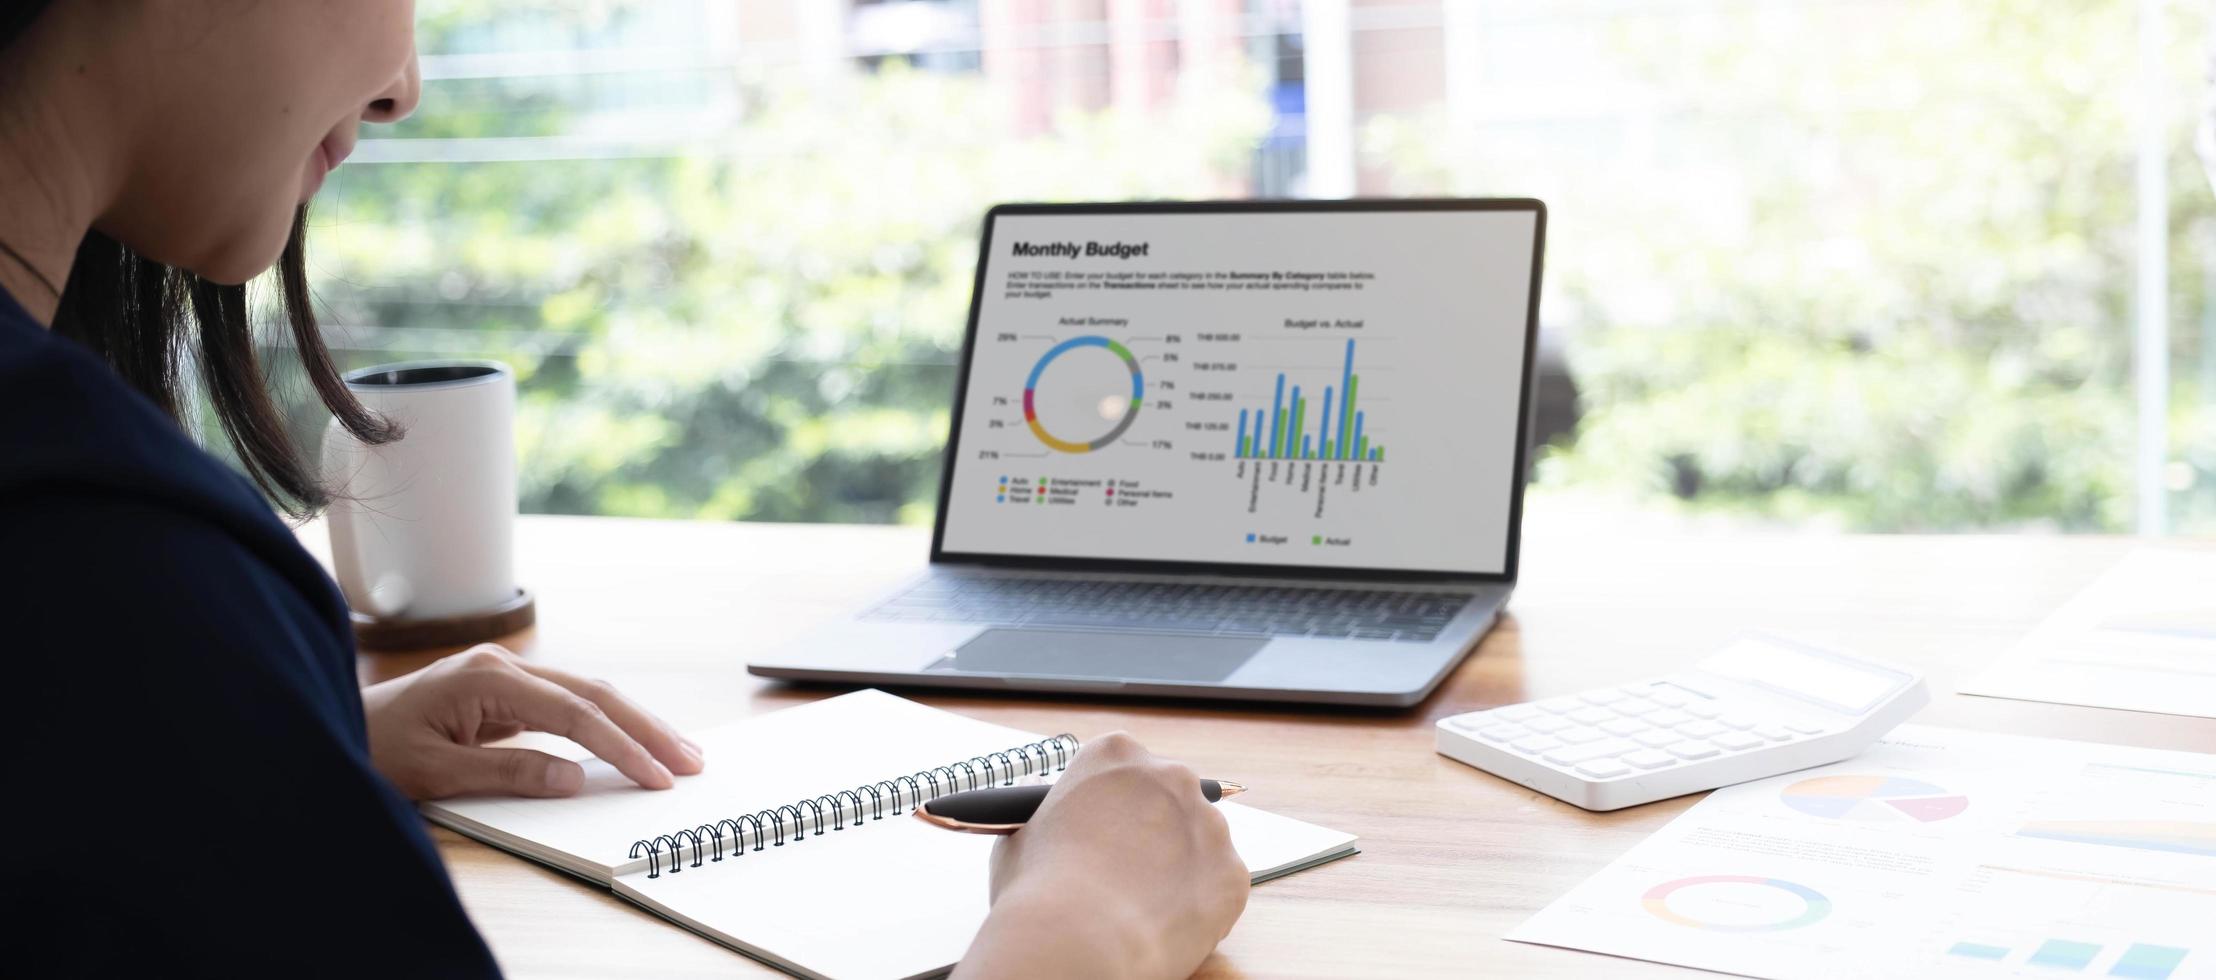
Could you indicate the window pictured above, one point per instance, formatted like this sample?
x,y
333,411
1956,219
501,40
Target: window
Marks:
x,y
1876,265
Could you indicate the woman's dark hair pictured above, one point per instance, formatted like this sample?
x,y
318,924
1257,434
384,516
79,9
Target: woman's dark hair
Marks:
x,y
139,315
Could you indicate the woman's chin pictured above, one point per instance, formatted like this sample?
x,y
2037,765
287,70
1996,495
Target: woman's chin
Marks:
x,y
236,267
311,179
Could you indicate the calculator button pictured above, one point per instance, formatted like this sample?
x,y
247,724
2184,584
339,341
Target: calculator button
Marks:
x,y
1535,744
1737,721
1516,712
1693,749
1701,729
1471,722
1656,738
1504,733
1650,759
1702,709
1547,724
1580,736
1602,769
1775,733
1666,718
1807,729
1591,716
1636,706
1560,706
1669,698
1737,740
1570,755
1602,696
1637,690
1624,726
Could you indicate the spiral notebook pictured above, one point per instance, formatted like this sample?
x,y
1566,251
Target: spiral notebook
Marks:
x,y
797,838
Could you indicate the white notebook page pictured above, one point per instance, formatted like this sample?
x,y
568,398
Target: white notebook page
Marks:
x,y
896,898
891,897
756,764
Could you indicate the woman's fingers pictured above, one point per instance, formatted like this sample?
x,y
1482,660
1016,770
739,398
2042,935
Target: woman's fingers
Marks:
x,y
515,772
493,731
670,748
548,707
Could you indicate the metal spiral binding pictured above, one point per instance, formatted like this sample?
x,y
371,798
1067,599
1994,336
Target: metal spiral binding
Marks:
x,y
794,821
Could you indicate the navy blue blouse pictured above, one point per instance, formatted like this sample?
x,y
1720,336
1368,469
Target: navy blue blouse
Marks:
x,y
190,790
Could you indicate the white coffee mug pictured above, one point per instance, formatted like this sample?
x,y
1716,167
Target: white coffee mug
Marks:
x,y
423,528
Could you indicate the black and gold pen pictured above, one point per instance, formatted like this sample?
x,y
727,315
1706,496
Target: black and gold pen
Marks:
x,y
1005,809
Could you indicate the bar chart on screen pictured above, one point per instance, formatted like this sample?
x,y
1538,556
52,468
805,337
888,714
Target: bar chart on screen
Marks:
x,y
1310,435
1283,431
1313,396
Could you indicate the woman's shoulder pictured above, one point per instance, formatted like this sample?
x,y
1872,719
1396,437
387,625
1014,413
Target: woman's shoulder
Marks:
x,y
68,420
65,416
79,447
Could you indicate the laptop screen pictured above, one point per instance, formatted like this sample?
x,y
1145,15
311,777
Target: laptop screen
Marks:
x,y
1322,387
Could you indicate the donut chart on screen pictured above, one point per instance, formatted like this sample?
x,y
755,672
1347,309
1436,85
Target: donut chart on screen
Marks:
x,y
1877,798
1720,903
1131,409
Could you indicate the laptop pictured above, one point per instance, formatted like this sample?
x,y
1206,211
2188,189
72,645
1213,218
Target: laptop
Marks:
x,y
1265,450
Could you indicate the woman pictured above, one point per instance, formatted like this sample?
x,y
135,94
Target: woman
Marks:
x,y
200,786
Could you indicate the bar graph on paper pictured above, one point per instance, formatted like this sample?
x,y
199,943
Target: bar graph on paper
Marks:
x,y
1287,429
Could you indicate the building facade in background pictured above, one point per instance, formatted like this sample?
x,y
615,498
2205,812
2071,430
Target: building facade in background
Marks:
x,y
1046,58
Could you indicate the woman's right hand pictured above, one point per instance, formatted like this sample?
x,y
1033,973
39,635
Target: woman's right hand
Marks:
x,y
1125,871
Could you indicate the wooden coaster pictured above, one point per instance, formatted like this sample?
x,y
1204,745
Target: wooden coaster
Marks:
x,y
415,634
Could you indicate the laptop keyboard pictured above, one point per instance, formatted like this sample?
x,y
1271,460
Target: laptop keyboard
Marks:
x,y
1362,614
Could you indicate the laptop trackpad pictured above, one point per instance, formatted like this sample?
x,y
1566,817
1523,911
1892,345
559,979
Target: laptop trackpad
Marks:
x,y
1124,656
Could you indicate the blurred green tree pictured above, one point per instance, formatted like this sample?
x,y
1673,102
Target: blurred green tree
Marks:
x,y
759,325
1879,274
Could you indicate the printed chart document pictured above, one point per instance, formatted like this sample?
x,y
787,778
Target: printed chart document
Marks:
x,y
2141,638
1937,853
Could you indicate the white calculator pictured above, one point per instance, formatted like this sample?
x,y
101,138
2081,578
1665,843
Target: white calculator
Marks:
x,y
1759,707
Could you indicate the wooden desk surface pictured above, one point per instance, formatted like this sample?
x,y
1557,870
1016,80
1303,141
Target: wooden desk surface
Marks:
x,y
1451,857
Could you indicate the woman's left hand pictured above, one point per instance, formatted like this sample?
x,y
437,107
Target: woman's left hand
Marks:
x,y
427,730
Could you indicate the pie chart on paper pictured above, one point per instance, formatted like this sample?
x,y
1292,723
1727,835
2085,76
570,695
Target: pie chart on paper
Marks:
x,y
1873,798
